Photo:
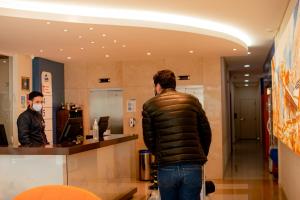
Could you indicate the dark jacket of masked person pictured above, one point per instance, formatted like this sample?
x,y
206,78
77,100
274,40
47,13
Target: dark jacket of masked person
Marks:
x,y
176,129
31,128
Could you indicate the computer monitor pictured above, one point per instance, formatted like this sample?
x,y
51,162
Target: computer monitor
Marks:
x,y
102,125
72,129
3,138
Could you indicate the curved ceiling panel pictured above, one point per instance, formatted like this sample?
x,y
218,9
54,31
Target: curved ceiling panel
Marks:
x,y
125,17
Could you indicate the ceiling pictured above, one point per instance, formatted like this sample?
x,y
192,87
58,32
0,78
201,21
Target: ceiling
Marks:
x,y
27,31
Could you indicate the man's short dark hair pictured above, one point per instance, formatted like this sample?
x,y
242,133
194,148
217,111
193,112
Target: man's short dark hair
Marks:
x,y
165,78
34,94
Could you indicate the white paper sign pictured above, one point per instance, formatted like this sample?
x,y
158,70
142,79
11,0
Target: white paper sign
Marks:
x,y
48,104
47,83
131,105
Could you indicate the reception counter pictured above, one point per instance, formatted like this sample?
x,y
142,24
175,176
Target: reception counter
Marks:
x,y
106,168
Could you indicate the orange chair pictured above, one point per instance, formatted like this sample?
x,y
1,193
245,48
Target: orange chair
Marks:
x,y
56,192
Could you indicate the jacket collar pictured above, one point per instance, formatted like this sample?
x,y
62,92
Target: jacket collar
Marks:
x,y
31,111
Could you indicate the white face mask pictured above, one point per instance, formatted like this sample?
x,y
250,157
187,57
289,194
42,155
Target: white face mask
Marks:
x,y
37,107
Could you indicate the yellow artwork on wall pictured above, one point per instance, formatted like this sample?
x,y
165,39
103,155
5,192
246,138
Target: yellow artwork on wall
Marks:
x,y
286,84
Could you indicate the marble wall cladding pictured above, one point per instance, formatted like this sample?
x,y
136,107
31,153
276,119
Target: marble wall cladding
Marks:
x,y
135,78
21,172
107,170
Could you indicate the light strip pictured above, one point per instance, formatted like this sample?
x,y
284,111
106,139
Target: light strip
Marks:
x,y
125,14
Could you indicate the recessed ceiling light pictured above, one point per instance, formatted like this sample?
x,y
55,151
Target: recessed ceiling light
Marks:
x,y
106,56
79,36
249,52
41,50
115,41
148,53
246,66
48,23
66,30
103,35
81,48
103,47
123,45
246,85
60,49
92,42
69,58
4,61
247,75
91,28
234,49
246,81
191,51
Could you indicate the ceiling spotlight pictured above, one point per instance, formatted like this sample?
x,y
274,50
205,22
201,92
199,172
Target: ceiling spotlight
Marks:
x,y
106,56
60,49
115,41
4,61
191,51
246,81
148,53
41,50
66,30
103,47
92,42
81,48
249,53
246,85
80,36
247,75
69,58
48,23
123,45
103,35
234,49
91,28
246,66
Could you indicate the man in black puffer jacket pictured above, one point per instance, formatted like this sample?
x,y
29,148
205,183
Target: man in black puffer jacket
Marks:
x,y
31,125
177,132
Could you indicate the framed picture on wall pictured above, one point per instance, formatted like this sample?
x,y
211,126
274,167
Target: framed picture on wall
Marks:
x,y
25,83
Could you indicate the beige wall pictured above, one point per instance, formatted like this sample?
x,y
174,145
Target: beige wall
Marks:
x,y
289,162
21,65
289,172
135,78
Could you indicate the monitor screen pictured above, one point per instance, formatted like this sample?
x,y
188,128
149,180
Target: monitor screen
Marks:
x,y
72,129
103,125
3,138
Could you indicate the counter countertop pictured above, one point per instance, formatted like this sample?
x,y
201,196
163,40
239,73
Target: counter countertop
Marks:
x,y
67,149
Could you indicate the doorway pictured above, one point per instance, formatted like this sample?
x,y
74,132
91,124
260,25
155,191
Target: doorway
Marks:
x,y
248,119
246,110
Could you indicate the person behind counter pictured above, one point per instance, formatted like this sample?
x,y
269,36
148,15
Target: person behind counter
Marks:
x,y
31,125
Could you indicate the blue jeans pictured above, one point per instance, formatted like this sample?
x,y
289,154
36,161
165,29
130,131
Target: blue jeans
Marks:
x,y
180,181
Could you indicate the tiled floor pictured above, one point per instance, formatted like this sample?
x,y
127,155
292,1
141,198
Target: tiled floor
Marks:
x,y
246,178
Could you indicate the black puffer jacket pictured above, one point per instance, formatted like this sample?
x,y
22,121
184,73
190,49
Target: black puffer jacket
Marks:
x,y
31,128
176,128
